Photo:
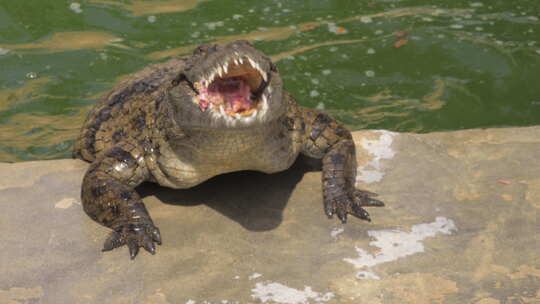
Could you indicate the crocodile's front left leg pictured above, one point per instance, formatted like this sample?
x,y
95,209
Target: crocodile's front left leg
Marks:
x,y
108,197
330,140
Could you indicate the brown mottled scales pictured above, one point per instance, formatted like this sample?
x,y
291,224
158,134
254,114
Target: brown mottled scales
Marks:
x,y
181,122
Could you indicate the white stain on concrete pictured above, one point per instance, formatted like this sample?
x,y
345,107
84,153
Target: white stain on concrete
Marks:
x,y
395,244
367,275
66,203
279,293
254,276
336,231
380,149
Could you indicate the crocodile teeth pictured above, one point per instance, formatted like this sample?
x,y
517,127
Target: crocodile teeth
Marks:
x,y
251,62
250,118
222,111
264,105
220,71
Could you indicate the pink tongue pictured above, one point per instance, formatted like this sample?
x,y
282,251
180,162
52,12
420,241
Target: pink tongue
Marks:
x,y
235,92
238,101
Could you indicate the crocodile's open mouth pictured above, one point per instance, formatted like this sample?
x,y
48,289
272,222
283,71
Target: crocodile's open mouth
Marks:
x,y
234,88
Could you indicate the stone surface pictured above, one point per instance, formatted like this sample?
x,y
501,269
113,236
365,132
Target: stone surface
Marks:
x,y
461,225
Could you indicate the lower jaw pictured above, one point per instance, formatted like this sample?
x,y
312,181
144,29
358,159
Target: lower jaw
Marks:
x,y
243,114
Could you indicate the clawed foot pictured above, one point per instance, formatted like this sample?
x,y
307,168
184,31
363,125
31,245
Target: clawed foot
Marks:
x,y
134,236
351,203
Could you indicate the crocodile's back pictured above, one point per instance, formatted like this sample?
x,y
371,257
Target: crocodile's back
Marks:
x,y
127,113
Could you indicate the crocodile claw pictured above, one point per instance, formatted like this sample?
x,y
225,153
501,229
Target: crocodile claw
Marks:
x,y
134,236
351,203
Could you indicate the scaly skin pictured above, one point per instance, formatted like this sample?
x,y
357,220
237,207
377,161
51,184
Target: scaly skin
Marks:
x,y
135,135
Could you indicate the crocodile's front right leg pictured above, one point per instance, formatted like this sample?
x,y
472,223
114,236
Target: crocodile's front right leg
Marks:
x,y
108,197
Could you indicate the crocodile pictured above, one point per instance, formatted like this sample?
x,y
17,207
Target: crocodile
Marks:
x,y
178,123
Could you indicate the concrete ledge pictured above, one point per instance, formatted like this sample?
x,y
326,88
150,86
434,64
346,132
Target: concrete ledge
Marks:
x,y
461,225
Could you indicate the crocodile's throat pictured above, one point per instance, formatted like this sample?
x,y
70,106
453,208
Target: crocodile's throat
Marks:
x,y
234,88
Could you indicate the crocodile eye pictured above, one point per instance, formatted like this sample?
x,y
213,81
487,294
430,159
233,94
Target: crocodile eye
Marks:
x,y
205,49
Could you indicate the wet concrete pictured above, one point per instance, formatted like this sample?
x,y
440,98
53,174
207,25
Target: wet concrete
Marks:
x,y
461,225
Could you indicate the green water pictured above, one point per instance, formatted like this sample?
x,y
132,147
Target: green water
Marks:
x,y
416,66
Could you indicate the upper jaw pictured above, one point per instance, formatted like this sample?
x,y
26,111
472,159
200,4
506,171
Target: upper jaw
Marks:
x,y
221,69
